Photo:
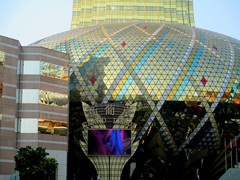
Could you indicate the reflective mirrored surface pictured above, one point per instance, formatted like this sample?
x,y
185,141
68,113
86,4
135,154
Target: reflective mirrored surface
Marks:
x,y
2,57
53,99
1,89
52,127
53,70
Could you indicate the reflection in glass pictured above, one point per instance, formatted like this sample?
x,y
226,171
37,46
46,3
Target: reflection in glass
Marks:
x,y
53,99
1,117
1,89
227,116
182,118
54,71
52,127
2,57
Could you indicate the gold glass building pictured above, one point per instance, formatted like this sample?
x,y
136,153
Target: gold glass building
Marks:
x,y
96,12
141,66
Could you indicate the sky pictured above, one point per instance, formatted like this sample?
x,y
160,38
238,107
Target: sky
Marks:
x,y
32,20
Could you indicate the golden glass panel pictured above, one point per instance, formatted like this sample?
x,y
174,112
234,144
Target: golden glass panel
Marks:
x,y
52,127
2,57
53,99
54,71
1,89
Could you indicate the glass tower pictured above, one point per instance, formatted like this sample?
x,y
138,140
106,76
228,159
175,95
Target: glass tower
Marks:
x,y
95,12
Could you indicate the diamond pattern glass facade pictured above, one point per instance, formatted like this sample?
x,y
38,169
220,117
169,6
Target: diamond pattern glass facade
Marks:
x,y
185,80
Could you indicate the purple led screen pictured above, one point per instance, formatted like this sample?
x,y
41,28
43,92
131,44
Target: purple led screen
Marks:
x,y
110,142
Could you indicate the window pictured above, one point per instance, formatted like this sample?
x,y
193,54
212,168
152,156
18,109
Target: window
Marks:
x,y
53,99
30,96
54,71
28,125
1,89
52,127
2,57
31,67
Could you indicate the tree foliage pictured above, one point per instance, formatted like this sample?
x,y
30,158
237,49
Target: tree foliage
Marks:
x,y
34,163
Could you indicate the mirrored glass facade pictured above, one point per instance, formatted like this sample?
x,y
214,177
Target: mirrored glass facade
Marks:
x,y
53,70
1,89
53,99
52,127
2,57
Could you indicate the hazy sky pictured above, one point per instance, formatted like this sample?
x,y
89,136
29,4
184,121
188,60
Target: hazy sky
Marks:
x,y
31,20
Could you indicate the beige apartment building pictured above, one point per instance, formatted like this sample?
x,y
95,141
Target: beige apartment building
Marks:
x,y
33,103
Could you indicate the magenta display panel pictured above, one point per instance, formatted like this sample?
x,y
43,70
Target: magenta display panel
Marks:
x,y
110,142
